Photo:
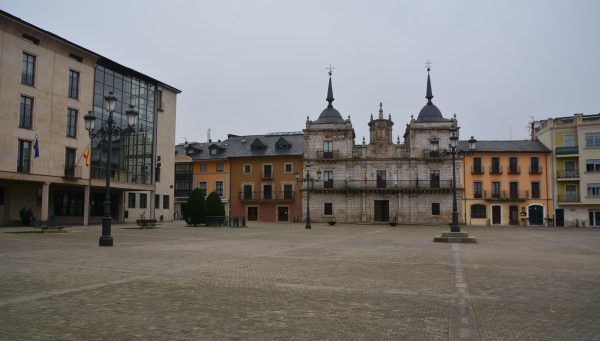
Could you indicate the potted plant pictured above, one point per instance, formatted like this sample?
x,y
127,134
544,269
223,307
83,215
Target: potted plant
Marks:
x,y
394,220
331,221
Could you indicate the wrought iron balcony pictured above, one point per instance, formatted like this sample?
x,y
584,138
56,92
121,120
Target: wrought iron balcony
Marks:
x,y
562,198
72,172
389,185
330,154
435,154
505,195
535,170
495,170
274,196
564,174
514,169
267,175
477,169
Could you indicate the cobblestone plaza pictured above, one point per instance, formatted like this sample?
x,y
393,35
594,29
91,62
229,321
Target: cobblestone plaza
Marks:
x,y
273,281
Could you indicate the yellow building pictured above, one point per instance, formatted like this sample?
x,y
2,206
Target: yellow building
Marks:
x,y
204,166
575,166
507,183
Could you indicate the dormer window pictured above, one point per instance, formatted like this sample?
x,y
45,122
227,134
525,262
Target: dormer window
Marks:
x,y
215,149
257,144
282,144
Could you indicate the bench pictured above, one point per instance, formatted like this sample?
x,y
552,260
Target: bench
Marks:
x,y
144,223
48,224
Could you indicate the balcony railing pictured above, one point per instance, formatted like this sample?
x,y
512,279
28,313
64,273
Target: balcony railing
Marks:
x,y
330,154
570,174
477,169
495,170
435,154
72,172
267,175
514,170
568,198
267,196
382,184
535,170
506,195
566,150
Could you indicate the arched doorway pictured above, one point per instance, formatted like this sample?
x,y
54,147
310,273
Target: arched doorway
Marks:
x,y
536,215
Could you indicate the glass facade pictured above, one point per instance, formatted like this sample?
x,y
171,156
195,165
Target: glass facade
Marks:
x,y
133,154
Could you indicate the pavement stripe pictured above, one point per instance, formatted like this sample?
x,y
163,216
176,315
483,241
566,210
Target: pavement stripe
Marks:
x,y
68,291
462,319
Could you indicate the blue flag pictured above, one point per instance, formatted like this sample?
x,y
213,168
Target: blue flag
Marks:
x,y
36,148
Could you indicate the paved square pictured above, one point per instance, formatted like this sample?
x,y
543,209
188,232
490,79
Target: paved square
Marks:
x,y
273,281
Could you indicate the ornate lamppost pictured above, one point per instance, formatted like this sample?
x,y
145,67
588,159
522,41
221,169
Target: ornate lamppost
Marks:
x,y
309,180
454,226
109,129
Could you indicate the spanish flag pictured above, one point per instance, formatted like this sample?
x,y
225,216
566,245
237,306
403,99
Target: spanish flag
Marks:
x,y
86,155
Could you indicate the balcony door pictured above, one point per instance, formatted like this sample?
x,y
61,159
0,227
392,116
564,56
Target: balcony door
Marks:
x,y
571,193
570,169
514,190
381,178
496,215
513,212
70,162
434,179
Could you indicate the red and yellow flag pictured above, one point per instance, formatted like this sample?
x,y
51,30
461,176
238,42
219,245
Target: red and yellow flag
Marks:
x,y
86,155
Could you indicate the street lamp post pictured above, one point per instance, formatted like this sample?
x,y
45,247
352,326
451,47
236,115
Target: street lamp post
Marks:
x,y
108,130
309,180
454,226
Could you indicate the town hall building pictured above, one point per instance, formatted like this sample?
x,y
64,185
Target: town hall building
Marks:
x,y
381,181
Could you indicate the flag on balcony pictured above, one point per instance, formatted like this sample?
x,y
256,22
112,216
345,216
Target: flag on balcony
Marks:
x,y
366,176
86,156
36,148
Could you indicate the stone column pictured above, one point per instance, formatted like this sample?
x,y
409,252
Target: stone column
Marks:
x,y
45,200
86,205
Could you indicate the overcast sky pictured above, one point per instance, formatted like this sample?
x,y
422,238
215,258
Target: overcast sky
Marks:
x,y
252,67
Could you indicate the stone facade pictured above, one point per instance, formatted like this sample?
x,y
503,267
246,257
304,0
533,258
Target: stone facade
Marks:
x,y
381,181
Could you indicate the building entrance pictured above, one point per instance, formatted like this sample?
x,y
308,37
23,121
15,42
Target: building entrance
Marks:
x,y
536,215
252,213
382,210
496,215
282,213
514,215
560,217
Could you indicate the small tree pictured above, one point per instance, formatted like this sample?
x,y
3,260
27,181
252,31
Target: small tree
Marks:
x,y
214,206
196,208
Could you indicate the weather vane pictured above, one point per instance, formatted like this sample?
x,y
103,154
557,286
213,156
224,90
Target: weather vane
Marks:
x,y
428,64
330,68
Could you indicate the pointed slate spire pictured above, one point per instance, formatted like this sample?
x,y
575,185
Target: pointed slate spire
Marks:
x,y
429,95
330,98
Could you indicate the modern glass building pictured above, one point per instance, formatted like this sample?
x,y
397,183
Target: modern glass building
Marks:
x,y
132,155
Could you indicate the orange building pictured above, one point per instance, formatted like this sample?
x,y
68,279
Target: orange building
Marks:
x,y
204,166
263,182
507,183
